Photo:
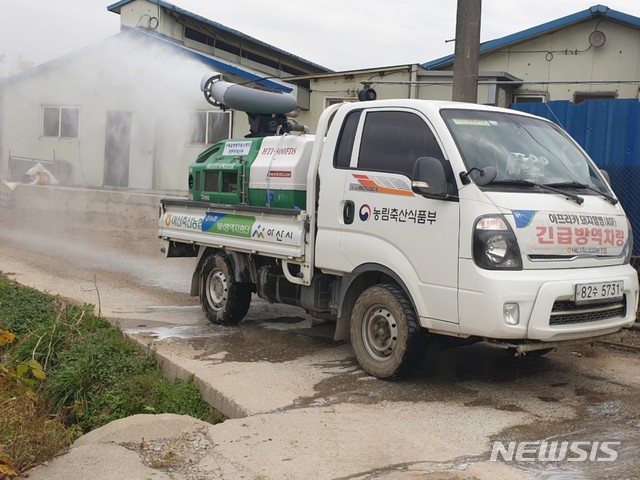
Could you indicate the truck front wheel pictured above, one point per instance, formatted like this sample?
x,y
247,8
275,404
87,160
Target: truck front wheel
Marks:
x,y
223,300
386,337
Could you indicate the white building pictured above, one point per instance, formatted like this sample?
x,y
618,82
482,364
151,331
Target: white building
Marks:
x,y
127,112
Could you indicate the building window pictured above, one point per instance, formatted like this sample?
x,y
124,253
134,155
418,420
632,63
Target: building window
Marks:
x,y
209,127
328,101
529,98
60,122
579,97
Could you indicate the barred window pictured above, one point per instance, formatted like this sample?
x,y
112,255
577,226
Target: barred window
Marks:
x,y
209,127
60,122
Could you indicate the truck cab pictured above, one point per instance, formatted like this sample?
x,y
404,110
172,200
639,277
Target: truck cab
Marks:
x,y
497,225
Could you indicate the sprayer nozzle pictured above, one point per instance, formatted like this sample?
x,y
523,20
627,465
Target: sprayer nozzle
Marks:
x,y
208,79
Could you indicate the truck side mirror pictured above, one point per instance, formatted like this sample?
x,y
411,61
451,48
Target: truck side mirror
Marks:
x,y
429,179
605,174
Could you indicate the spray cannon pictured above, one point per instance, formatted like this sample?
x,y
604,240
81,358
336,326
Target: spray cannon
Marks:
x,y
231,95
266,110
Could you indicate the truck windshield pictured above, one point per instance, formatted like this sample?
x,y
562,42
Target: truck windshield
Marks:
x,y
521,148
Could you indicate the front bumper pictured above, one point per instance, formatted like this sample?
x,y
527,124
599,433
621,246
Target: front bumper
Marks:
x,y
484,292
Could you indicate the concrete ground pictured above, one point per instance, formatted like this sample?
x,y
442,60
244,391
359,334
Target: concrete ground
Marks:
x,y
298,405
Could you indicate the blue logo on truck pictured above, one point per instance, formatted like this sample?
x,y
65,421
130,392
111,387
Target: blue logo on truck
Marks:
x,y
523,218
210,220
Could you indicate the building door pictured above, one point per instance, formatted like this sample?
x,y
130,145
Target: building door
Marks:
x,y
117,149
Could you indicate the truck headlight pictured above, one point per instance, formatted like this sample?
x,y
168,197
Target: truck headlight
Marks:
x,y
494,244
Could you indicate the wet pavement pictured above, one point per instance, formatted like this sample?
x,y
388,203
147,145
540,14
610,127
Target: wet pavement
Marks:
x,y
565,398
281,363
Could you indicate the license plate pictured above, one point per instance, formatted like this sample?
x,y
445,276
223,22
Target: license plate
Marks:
x,y
590,292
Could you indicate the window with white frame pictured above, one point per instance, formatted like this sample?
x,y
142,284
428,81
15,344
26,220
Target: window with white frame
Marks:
x,y
60,122
529,98
207,127
328,101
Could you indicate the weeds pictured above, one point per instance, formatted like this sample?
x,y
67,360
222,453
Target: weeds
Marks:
x,y
65,371
28,435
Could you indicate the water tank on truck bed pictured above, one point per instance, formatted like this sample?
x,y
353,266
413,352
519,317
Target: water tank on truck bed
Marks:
x,y
269,171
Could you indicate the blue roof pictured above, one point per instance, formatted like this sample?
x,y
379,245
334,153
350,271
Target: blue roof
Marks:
x,y
597,11
115,7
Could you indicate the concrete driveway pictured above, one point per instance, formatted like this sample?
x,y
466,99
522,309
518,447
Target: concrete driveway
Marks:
x,y
298,405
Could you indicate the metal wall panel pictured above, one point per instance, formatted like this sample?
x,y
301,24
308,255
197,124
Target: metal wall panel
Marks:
x,y
609,130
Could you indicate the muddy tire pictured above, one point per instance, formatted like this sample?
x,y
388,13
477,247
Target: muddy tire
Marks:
x,y
386,337
223,301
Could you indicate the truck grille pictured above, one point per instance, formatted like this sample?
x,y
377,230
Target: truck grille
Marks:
x,y
565,258
567,312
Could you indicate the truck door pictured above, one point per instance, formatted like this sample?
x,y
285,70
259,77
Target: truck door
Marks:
x,y
333,172
385,223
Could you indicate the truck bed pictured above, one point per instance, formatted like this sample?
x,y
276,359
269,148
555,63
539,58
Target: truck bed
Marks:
x,y
275,232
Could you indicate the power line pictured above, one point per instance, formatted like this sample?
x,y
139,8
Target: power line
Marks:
x,y
509,82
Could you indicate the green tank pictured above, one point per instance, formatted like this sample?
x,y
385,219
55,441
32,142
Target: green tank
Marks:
x,y
264,172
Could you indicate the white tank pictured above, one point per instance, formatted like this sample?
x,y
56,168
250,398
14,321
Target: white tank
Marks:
x,y
278,174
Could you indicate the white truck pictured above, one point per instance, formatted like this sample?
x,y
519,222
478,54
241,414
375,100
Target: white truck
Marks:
x,y
408,221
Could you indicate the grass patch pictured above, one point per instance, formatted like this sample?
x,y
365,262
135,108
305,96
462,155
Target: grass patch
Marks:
x,y
65,371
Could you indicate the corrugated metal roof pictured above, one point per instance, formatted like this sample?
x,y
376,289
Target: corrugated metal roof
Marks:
x,y
219,65
166,42
116,7
597,11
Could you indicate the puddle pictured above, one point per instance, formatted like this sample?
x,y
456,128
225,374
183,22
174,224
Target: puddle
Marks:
x,y
181,332
277,339
287,323
444,375
159,309
250,343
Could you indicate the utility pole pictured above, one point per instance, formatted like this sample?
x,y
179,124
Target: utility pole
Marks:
x,y
465,60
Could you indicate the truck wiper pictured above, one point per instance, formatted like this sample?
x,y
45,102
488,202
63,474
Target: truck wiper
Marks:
x,y
606,196
519,181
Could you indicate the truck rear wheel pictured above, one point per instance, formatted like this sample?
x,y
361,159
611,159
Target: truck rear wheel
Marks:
x,y
223,300
386,337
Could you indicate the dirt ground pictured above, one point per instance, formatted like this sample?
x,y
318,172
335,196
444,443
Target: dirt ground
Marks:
x,y
470,396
